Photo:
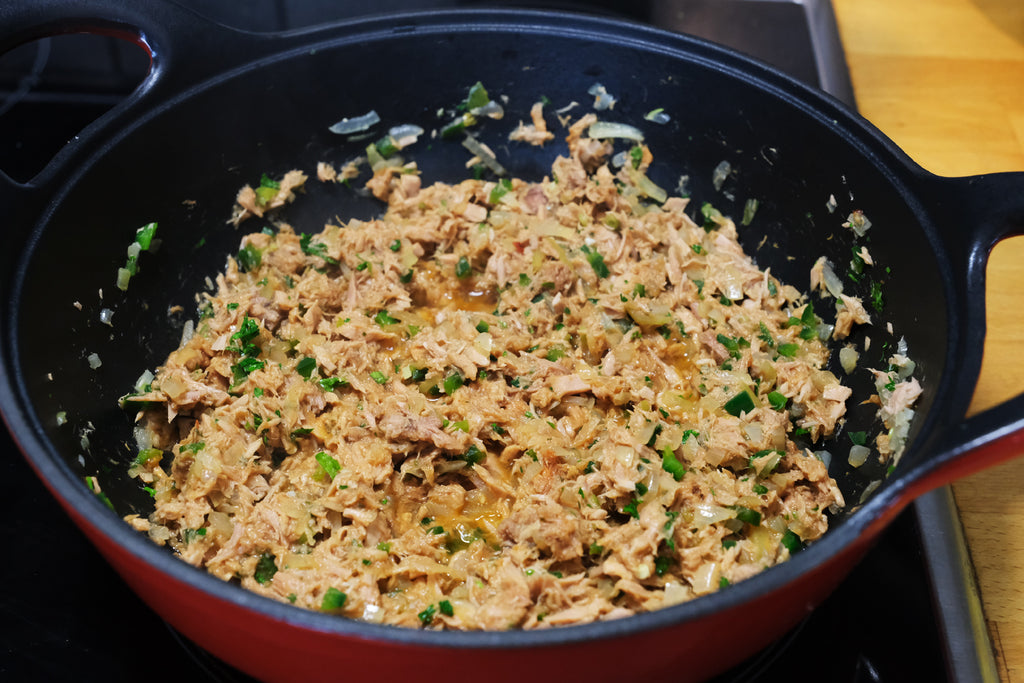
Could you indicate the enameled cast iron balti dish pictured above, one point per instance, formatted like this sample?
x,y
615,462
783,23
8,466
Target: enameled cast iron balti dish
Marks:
x,y
221,107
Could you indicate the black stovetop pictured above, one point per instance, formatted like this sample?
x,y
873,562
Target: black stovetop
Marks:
x,y
68,617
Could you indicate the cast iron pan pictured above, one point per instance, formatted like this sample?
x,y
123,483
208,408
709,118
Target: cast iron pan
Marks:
x,y
222,107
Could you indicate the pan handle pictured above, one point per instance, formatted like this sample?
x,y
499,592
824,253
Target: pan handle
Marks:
x,y
184,48
972,215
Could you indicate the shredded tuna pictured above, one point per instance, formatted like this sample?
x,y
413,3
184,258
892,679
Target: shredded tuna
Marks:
x,y
555,407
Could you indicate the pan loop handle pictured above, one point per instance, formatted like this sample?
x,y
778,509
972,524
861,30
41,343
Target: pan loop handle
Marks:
x,y
972,215
184,48
184,45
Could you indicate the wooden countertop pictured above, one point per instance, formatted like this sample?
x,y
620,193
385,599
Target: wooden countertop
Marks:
x,y
945,80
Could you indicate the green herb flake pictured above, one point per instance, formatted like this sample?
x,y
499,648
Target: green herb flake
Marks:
x,y
379,377
249,258
596,261
791,541
265,568
452,382
331,383
243,368
788,350
748,516
427,615
319,249
383,318
147,455
636,155
305,367
333,599
670,463
473,455
446,608
500,190
328,464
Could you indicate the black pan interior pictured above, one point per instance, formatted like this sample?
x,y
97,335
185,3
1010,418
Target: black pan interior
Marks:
x,y
183,162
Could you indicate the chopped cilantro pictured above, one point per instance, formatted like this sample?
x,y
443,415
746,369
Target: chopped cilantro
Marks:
x,y
473,454
384,318
249,258
305,367
670,463
308,246
331,383
788,350
427,615
265,568
328,464
596,261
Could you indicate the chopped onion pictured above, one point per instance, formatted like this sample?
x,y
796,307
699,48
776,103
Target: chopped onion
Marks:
x,y
611,129
94,360
709,513
858,455
123,276
720,173
405,134
657,116
869,490
106,316
187,331
144,379
832,282
602,98
62,418
857,222
646,185
825,457
848,357
488,159
355,124
492,109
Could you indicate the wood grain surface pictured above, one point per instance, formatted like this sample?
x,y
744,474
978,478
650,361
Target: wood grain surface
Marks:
x,y
945,80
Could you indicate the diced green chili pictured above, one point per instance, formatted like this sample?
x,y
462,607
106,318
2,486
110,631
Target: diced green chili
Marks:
x,y
333,599
739,404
